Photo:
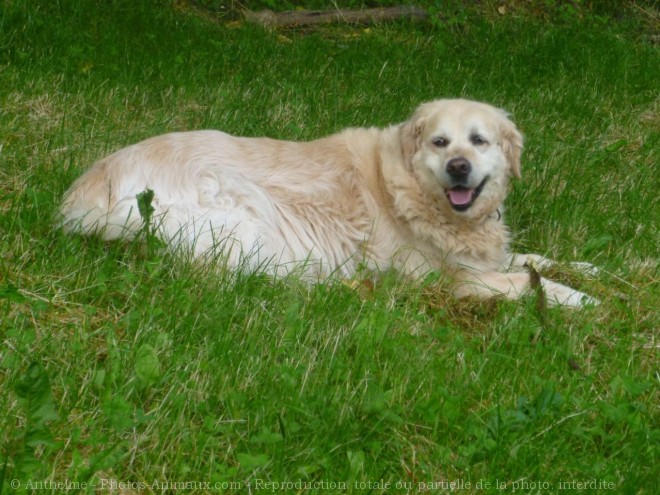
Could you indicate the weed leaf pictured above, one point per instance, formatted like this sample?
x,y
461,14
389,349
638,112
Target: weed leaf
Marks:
x,y
34,389
34,392
119,413
145,208
251,462
147,365
10,292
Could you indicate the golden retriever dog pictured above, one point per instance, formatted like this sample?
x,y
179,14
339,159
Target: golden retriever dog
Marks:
x,y
423,195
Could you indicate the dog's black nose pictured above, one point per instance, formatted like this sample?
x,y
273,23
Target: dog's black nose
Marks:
x,y
459,168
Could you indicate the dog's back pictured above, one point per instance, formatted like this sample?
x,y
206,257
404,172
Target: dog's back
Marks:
x,y
282,201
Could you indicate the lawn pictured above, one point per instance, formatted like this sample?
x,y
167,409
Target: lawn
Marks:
x,y
131,371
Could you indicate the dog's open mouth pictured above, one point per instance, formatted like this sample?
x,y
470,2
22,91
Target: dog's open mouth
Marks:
x,y
461,197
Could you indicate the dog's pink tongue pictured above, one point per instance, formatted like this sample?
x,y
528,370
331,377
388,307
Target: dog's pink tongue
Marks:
x,y
460,196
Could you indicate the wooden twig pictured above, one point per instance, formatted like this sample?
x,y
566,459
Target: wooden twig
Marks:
x,y
270,19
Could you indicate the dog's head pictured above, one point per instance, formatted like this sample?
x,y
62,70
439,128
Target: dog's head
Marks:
x,y
463,153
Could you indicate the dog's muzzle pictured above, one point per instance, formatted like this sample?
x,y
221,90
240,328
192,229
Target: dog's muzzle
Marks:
x,y
460,196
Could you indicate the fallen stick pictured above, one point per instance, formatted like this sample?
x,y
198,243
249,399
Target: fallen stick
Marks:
x,y
297,18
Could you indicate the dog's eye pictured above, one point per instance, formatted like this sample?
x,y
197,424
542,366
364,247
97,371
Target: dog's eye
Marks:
x,y
477,140
440,142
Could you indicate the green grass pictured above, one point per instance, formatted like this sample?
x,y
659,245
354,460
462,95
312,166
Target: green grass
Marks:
x,y
120,367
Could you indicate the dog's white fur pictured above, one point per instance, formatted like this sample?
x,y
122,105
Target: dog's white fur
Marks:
x,y
378,198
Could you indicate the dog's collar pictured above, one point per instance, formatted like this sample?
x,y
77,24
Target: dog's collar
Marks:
x,y
499,215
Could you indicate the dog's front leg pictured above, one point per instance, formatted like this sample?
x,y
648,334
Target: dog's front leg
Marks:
x,y
514,285
518,262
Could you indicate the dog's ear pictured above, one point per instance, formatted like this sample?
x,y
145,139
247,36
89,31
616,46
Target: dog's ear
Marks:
x,y
411,134
512,145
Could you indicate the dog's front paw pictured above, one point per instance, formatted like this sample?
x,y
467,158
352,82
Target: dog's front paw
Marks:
x,y
585,268
579,299
561,295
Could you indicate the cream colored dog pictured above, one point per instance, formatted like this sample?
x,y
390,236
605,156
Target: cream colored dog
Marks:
x,y
420,196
